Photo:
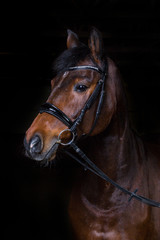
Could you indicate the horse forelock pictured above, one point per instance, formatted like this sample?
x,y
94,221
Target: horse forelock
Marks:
x,y
69,58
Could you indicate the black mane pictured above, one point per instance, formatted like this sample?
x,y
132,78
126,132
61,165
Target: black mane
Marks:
x,y
69,58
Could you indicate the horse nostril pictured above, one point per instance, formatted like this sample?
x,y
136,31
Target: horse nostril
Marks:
x,y
36,144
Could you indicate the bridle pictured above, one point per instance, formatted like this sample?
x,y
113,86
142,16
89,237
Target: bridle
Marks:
x,y
72,126
72,129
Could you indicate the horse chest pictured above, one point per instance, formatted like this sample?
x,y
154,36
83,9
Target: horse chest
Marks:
x,y
87,225
91,222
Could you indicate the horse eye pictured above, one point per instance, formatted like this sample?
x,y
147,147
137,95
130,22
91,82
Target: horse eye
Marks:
x,y
80,88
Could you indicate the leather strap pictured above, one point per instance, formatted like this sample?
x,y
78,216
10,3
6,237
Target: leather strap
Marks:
x,y
56,112
88,164
88,105
98,69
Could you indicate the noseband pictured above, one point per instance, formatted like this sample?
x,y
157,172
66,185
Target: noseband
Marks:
x,y
72,128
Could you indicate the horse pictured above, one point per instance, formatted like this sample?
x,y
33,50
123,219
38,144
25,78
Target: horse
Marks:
x,y
87,107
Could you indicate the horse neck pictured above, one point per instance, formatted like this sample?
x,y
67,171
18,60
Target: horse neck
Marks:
x,y
117,151
111,149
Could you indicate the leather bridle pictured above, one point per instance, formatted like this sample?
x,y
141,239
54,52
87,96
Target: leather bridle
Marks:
x,y
72,128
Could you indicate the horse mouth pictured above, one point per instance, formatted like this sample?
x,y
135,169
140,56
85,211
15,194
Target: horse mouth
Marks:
x,y
51,154
46,156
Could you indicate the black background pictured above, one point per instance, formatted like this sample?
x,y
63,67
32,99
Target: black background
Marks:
x,y
31,36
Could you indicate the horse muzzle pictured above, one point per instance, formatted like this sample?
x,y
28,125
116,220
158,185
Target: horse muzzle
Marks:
x,y
35,148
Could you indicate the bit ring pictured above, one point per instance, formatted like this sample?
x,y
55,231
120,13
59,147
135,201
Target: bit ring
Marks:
x,y
70,141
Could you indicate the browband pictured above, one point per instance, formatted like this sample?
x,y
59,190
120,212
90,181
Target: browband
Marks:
x,y
86,67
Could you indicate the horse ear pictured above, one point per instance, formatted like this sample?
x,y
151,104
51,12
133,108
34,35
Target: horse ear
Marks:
x,y
72,39
95,44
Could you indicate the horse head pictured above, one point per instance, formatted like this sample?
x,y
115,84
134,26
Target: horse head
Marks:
x,y
77,70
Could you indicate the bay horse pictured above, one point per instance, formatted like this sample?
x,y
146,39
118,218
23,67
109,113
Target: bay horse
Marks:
x,y
88,106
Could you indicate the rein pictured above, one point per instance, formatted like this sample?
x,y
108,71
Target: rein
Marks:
x,y
72,127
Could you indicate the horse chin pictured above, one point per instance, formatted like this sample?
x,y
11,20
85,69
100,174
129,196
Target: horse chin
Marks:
x,y
51,153
49,157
